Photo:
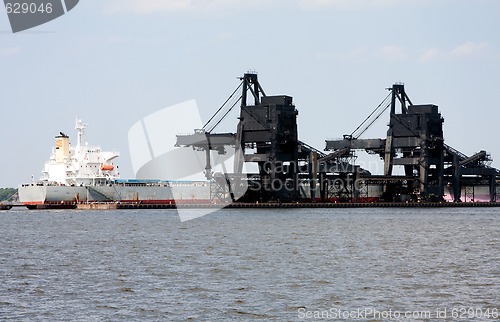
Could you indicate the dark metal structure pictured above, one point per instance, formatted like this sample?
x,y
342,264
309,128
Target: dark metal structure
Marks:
x,y
267,136
290,170
415,141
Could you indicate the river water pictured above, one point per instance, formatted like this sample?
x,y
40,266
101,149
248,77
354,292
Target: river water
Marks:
x,y
250,264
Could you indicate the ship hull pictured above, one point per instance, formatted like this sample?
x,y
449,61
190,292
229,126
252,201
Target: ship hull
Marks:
x,y
37,194
169,193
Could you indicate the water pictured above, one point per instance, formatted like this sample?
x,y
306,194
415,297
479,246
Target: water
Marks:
x,y
247,264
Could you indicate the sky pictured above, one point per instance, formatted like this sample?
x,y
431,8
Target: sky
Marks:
x,y
114,62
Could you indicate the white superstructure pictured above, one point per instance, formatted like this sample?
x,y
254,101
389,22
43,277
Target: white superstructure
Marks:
x,y
81,165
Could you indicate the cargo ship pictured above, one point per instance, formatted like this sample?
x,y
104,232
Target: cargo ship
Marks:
x,y
86,174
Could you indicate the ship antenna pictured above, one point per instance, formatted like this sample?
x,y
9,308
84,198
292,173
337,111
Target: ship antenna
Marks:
x,y
80,127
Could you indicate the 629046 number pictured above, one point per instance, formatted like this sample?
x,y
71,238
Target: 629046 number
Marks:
x,y
26,7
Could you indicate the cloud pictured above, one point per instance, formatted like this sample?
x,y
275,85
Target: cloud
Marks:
x,y
148,6
144,7
4,52
357,4
393,53
430,54
399,53
466,50
469,49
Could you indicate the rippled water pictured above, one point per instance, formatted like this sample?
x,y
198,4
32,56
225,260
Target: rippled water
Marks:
x,y
245,264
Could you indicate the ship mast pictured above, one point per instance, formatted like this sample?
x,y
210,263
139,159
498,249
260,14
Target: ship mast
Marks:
x,y
80,127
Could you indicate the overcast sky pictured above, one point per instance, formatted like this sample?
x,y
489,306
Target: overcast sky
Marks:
x,y
113,62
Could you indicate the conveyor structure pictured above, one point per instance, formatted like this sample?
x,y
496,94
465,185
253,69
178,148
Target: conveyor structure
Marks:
x,y
415,141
